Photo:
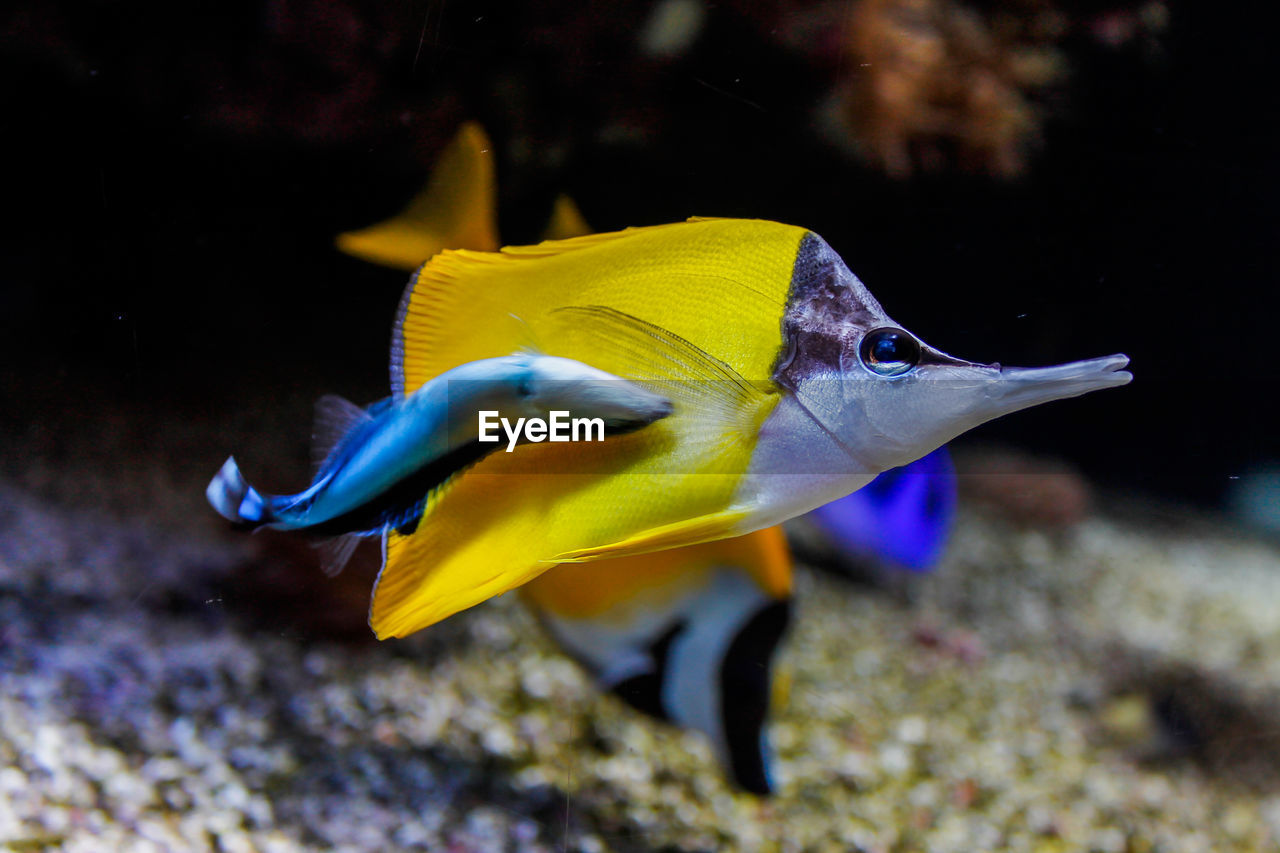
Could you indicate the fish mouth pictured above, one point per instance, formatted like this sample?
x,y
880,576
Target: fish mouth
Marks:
x,y
1020,387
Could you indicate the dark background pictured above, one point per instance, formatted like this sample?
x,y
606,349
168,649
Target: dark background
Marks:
x,y
176,174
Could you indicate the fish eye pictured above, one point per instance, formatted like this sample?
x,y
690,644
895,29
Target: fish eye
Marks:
x,y
889,352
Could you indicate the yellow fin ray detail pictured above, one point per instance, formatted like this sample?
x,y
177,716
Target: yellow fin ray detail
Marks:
x,y
694,531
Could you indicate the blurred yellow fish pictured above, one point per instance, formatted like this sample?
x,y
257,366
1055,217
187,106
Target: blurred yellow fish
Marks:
x,y
456,209
687,635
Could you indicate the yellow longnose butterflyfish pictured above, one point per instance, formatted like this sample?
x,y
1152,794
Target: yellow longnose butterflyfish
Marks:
x,y
791,387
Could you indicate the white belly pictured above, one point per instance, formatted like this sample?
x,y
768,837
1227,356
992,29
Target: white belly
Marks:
x,y
796,466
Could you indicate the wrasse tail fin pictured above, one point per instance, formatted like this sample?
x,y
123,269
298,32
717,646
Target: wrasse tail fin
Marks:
x,y
234,499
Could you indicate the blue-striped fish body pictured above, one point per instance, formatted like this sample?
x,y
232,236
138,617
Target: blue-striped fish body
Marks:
x,y
386,459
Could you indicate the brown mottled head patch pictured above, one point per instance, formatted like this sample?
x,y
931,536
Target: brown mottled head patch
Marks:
x,y
828,311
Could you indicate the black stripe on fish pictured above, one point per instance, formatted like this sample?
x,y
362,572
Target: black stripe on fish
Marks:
x,y
746,688
400,507
644,691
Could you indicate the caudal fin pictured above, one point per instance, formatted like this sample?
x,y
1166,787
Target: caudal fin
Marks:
x,y
233,497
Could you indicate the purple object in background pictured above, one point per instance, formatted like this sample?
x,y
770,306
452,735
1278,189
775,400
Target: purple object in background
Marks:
x,y
901,518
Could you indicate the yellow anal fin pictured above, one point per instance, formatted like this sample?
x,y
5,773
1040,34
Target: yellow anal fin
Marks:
x,y
456,209
692,531
610,589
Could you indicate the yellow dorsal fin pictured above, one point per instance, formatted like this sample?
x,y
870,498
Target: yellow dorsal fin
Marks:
x,y
720,284
456,209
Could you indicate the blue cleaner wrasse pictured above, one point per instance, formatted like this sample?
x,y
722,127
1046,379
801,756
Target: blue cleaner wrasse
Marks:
x,y
379,464
687,635
791,388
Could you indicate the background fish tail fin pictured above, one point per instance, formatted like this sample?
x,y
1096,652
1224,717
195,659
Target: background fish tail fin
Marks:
x,y
457,209
234,499
902,519
566,220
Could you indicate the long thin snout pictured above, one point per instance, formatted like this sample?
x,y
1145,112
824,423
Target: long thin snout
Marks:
x,y
1020,387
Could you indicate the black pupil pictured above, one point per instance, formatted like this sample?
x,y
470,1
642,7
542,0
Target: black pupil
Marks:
x,y
888,347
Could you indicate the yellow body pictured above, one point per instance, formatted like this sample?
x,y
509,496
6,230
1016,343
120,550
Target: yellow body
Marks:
x,y
697,302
